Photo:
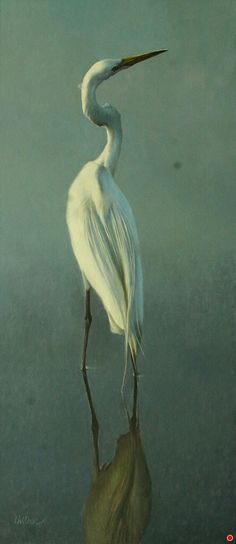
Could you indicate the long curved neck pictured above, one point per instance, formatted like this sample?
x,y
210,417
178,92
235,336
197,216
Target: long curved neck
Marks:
x,y
106,116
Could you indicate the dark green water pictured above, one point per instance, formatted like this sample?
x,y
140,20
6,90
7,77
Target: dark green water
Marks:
x,y
177,168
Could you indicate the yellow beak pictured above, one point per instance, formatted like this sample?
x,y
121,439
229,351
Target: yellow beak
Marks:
x,y
130,61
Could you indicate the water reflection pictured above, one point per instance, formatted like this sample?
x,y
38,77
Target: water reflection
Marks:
x,y
118,505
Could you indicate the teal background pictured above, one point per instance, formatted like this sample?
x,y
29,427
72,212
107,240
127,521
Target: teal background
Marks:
x,y
177,168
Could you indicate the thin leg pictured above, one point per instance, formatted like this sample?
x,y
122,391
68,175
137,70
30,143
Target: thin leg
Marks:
x,y
94,426
135,395
88,321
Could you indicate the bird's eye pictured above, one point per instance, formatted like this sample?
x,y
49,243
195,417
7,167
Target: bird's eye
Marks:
x,y
116,67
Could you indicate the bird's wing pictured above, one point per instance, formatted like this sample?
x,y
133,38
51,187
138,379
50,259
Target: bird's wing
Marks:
x,y
113,266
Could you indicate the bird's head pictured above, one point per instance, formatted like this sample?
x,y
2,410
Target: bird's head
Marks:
x,y
103,69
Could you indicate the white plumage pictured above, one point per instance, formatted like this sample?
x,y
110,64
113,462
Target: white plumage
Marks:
x,y
101,223
105,243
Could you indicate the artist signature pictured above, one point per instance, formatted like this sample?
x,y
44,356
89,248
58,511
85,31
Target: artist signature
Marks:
x,y
26,520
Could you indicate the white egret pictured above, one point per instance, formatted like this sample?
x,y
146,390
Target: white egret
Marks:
x,y
101,223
